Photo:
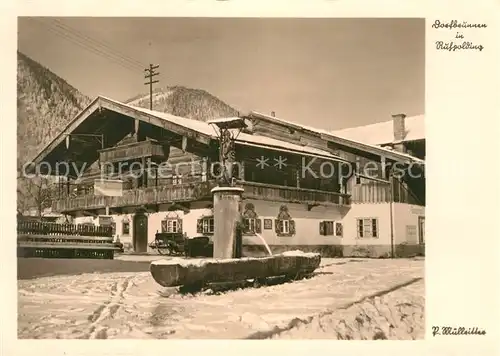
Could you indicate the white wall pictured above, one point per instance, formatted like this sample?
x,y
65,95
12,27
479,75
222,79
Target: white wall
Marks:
x,y
154,222
407,215
380,211
306,223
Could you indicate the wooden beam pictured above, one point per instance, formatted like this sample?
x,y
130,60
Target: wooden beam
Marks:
x,y
115,211
383,163
89,213
136,128
81,117
185,207
184,144
311,205
152,208
151,119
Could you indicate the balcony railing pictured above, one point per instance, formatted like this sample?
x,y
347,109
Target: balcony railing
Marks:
x,y
136,197
372,192
132,151
263,191
375,192
197,191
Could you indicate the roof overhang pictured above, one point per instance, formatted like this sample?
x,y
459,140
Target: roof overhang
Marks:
x,y
103,111
100,104
383,152
325,156
324,135
229,123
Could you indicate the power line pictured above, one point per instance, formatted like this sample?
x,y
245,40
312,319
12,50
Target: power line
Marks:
x,y
103,50
100,43
90,48
150,73
117,59
94,44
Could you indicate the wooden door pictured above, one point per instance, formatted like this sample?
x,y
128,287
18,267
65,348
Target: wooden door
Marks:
x,y
140,238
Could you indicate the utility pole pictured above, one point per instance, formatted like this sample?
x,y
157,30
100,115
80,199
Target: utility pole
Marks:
x,y
150,73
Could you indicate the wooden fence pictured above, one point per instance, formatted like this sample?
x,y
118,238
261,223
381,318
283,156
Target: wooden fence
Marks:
x,y
52,240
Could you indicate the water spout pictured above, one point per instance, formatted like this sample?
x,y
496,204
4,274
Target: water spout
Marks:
x,y
264,243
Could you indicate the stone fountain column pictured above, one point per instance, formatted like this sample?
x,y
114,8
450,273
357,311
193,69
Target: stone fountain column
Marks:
x,y
226,216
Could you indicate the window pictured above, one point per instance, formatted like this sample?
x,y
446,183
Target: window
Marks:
x,y
327,228
176,180
250,225
125,228
170,225
367,228
284,225
358,179
208,225
251,221
330,228
205,225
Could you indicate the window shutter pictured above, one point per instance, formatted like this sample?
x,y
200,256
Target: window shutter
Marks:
x,y
199,226
164,226
322,228
374,228
292,227
360,228
212,225
338,229
258,226
179,225
277,226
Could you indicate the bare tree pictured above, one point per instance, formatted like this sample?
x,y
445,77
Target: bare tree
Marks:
x,y
35,192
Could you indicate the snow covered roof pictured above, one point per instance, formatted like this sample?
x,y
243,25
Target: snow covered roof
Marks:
x,y
242,138
206,132
382,132
207,129
328,135
195,125
268,142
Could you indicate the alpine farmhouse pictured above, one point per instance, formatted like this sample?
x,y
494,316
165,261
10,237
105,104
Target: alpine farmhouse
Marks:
x,y
304,188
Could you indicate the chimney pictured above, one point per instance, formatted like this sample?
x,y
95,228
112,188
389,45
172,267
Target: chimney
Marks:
x,y
399,127
273,114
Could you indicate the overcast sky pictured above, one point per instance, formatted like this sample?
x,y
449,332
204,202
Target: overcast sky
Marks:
x,y
329,73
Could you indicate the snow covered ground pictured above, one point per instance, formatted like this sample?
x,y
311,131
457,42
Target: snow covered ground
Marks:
x,y
346,299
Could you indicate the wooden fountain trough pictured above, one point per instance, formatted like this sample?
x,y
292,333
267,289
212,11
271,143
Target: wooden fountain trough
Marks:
x,y
184,272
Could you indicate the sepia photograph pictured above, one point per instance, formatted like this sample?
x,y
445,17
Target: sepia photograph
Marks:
x,y
221,178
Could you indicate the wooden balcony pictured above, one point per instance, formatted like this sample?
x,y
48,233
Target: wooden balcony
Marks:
x,y
269,192
136,197
85,202
131,151
197,191
376,192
